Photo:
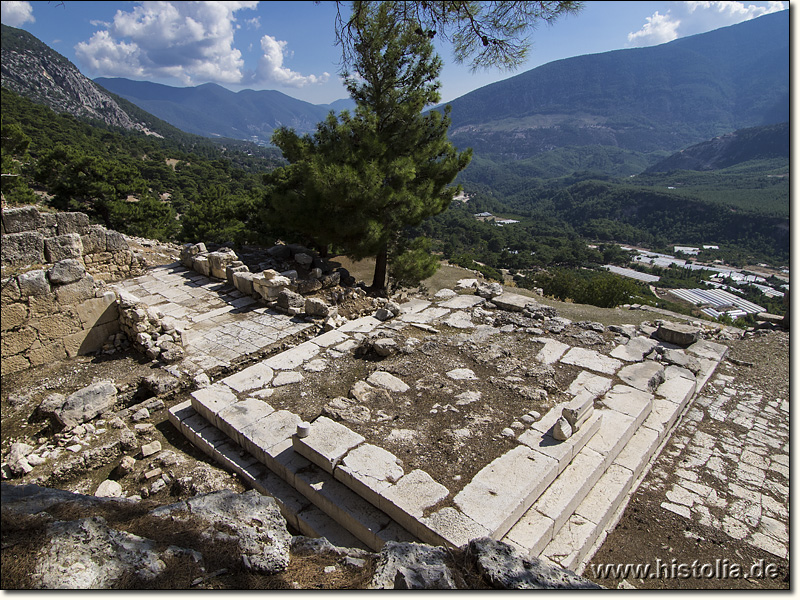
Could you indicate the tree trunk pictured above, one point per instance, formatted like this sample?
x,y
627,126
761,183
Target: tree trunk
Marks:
x,y
381,261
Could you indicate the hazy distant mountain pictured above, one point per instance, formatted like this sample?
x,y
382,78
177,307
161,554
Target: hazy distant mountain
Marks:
x,y
756,143
660,98
213,111
34,70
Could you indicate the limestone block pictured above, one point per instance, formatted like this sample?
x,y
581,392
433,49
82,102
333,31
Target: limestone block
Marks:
x,y
10,290
606,496
629,401
329,338
635,350
562,451
662,416
531,533
592,360
13,364
89,340
407,500
450,527
201,265
210,401
293,358
33,283
503,490
243,281
678,334
63,246
57,326
615,431
368,470
234,268
75,292
98,311
13,316
678,390
315,307
388,382
94,240
16,220
645,376
72,222
579,409
551,352
24,248
218,262
256,376
327,443
87,403
571,542
66,271
115,242
287,378
17,342
236,417
637,453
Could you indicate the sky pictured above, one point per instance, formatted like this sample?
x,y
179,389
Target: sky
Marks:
x,y
290,46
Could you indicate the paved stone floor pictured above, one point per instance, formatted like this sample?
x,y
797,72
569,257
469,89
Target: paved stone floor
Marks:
x,y
221,325
727,464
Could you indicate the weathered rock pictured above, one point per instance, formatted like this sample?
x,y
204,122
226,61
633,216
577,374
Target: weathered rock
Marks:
x,y
72,222
33,283
87,403
678,334
344,409
366,394
17,458
24,248
504,567
160,383
314,307
109,489
63,246
562,430
489,290
384,346
406,565
289,300
679,358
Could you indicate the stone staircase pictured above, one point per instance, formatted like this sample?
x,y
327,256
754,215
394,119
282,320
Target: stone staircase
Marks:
x,y
550,498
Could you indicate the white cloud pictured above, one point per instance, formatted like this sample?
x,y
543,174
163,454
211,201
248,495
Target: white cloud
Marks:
x,y
188,41
692,17
14,14
659,29
271,70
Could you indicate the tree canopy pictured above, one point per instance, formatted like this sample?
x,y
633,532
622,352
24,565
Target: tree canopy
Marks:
x,y
361,179
485,34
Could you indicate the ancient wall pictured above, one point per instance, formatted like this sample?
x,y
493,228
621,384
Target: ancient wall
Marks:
x,y
54,303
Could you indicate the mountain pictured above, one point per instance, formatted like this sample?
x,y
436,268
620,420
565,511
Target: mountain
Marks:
x,y
35,71
661,98
756,143
213,111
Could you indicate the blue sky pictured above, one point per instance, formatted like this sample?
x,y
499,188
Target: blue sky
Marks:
x,y
289,46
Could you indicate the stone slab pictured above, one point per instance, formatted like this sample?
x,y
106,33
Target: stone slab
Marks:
x,y
679,390
635,350
504,489
462,301
388,381
238,416
645,376
592,360
407,500
368,470
551,352
662,417
531,533
257,376
568,545
512,302
425,316
629,401
293,358
267,437
209,401
562,451
614,433
589,382
360,325
450,527
327,443
329,338
636,455
606,496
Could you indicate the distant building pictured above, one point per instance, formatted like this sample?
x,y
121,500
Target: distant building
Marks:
x,y
687,250
710,247
483,215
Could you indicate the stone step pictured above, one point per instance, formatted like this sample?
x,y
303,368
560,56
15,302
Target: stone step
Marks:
x,y
276,469
615,428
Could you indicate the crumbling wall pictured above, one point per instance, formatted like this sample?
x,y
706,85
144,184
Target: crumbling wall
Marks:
x,y
53,306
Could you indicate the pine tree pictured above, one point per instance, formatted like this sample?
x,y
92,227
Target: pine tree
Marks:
x,y
364,178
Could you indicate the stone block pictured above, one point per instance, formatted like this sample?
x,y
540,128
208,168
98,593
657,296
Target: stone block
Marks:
x,y
271,436
94,240
614,433
708,350
327,443
33,283
408,499
562,451
201,265
10,290
592,360
57,326
388,381
75,292
360,325
13,316
462,302
531,533
606,496
17,220
645,376
238,416
629,401
678,334
283,460
63,246
512,302
678,390
344,506
503,490
13,364
218,262
24,248
254,377
314,523
115,242
639,450
293,358
210,401
662,417
569,489
579,409
72,222
66,271
551,352
368,470
98,311
329,338
17,342
450,527
243,281
89,340
571,542
635,350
